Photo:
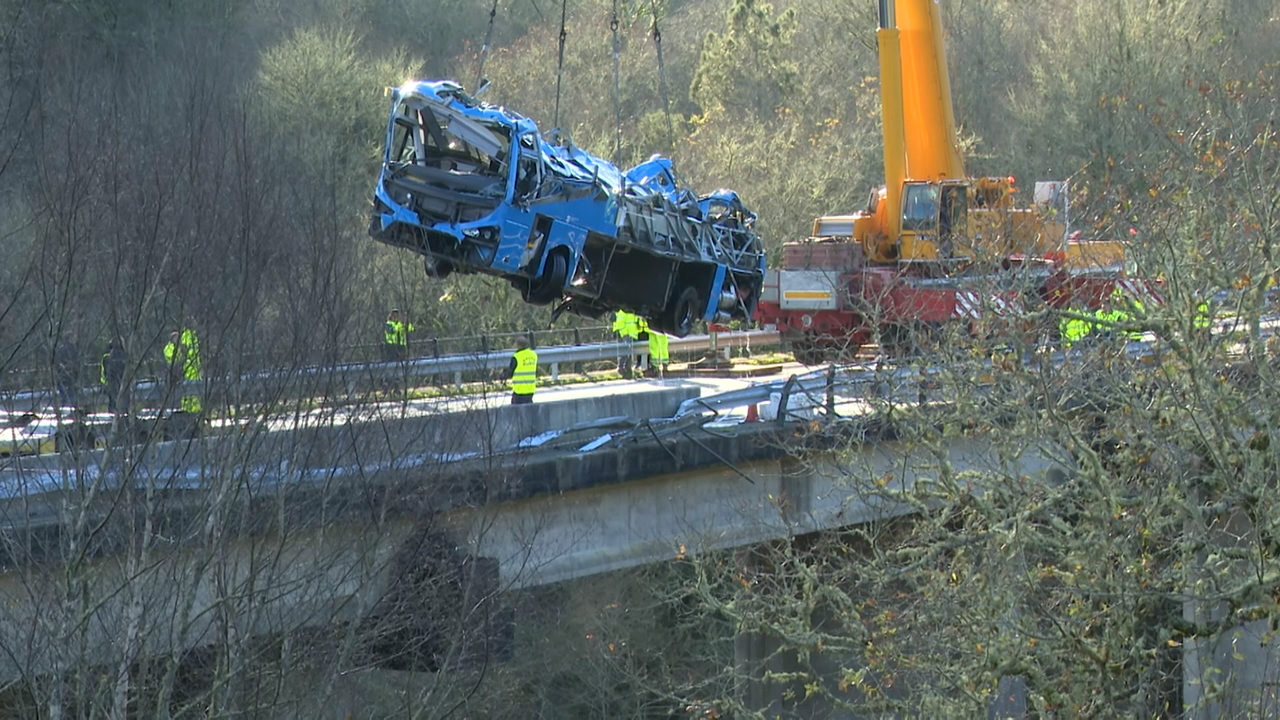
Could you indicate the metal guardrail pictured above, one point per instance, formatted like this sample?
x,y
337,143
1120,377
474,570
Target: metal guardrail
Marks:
x,y
33,368
350,378
831,390
825,387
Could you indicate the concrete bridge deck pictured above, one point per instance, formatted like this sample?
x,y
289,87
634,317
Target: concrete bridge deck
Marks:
x,y
264,531
411,520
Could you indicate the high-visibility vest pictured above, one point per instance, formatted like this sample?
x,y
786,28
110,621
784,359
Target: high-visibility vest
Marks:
x,y
626,324
189,345
1119,312
1073,330
1201,319
397,332
187,349
659,352
525,378
1118,316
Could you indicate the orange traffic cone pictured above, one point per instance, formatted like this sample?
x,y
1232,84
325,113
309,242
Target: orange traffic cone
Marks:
x,y
753,413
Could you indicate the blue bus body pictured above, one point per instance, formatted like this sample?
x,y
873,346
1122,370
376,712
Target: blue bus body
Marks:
x,y
475,188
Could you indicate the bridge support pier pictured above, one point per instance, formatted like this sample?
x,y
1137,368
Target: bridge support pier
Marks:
x,y
755,655
442,610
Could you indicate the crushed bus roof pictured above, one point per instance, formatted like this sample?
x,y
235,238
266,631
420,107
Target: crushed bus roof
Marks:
x,y
475,187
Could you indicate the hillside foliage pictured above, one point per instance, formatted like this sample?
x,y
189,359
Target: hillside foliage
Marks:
x,y
213,162
241,142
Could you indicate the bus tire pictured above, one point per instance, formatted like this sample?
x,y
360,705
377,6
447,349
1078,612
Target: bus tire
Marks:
x,y
549,285
682,313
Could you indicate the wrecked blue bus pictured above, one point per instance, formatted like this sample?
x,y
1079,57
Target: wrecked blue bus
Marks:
x,y
475,188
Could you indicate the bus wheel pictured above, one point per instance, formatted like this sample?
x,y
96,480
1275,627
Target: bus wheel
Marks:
x,y
548,286
683,313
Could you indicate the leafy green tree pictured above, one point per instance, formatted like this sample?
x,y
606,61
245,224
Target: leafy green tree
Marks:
x,y
811,146
747,70
321,92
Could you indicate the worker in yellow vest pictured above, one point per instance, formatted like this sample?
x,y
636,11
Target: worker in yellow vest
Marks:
x,y
642,346
1116,313
1201,321
523,373
659,352
395,337
1112,313
627,326
182,353
1073,330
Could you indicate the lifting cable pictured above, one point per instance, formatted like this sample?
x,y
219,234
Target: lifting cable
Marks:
x,y
560,62
617,91
484,49
662,76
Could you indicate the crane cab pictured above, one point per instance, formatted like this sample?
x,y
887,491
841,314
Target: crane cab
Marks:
x,y
950,223
933,222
